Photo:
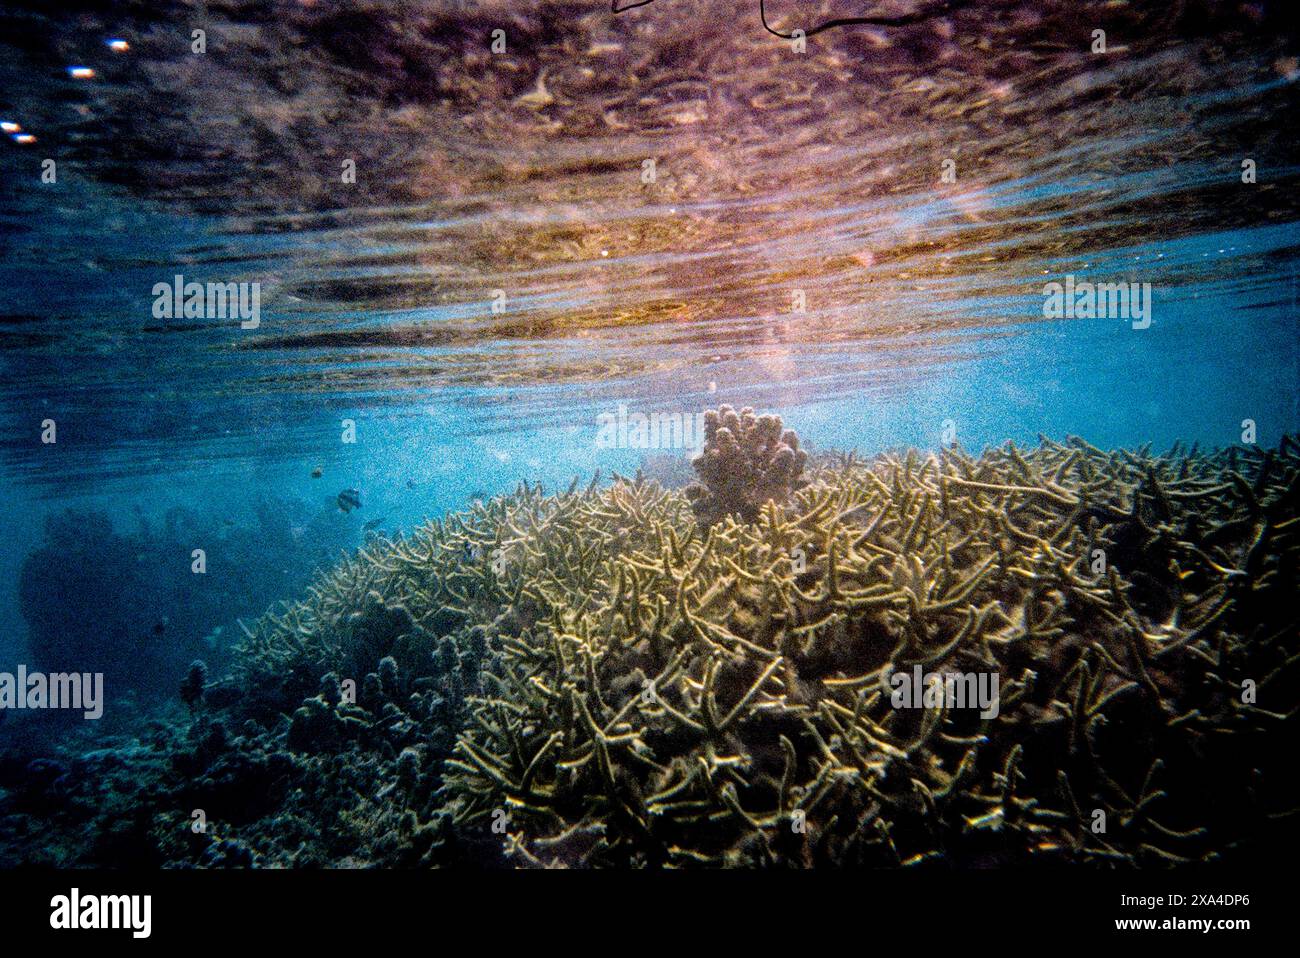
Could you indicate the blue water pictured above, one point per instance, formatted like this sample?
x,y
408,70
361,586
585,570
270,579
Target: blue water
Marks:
x,y
924,300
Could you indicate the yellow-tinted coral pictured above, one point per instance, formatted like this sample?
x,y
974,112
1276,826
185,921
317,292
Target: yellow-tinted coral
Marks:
x,y
634,689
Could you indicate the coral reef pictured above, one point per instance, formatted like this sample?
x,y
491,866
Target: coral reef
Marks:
x,y
594,678
747,460
715,704
125,603
195,684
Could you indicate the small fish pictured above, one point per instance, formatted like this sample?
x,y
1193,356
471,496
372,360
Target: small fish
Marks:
x,y
317,472
349,499
478,496
410,483
160,626
373,524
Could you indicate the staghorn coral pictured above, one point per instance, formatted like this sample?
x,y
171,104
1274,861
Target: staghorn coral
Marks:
x,y
630,688
712,704
746,461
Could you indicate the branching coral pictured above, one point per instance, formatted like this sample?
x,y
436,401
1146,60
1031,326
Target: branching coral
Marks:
x,y
595,678
747,460
713,704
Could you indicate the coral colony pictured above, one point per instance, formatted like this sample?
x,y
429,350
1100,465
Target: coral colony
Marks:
x,y
1058,654
326,321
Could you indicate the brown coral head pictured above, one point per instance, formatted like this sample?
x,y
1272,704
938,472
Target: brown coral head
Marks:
x,y
746,461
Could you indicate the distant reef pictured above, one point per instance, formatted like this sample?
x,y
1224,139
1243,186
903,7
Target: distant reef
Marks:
x,y
127,602
628,676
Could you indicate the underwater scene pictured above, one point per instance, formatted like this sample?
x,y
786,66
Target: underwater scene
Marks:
x,y
769,434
